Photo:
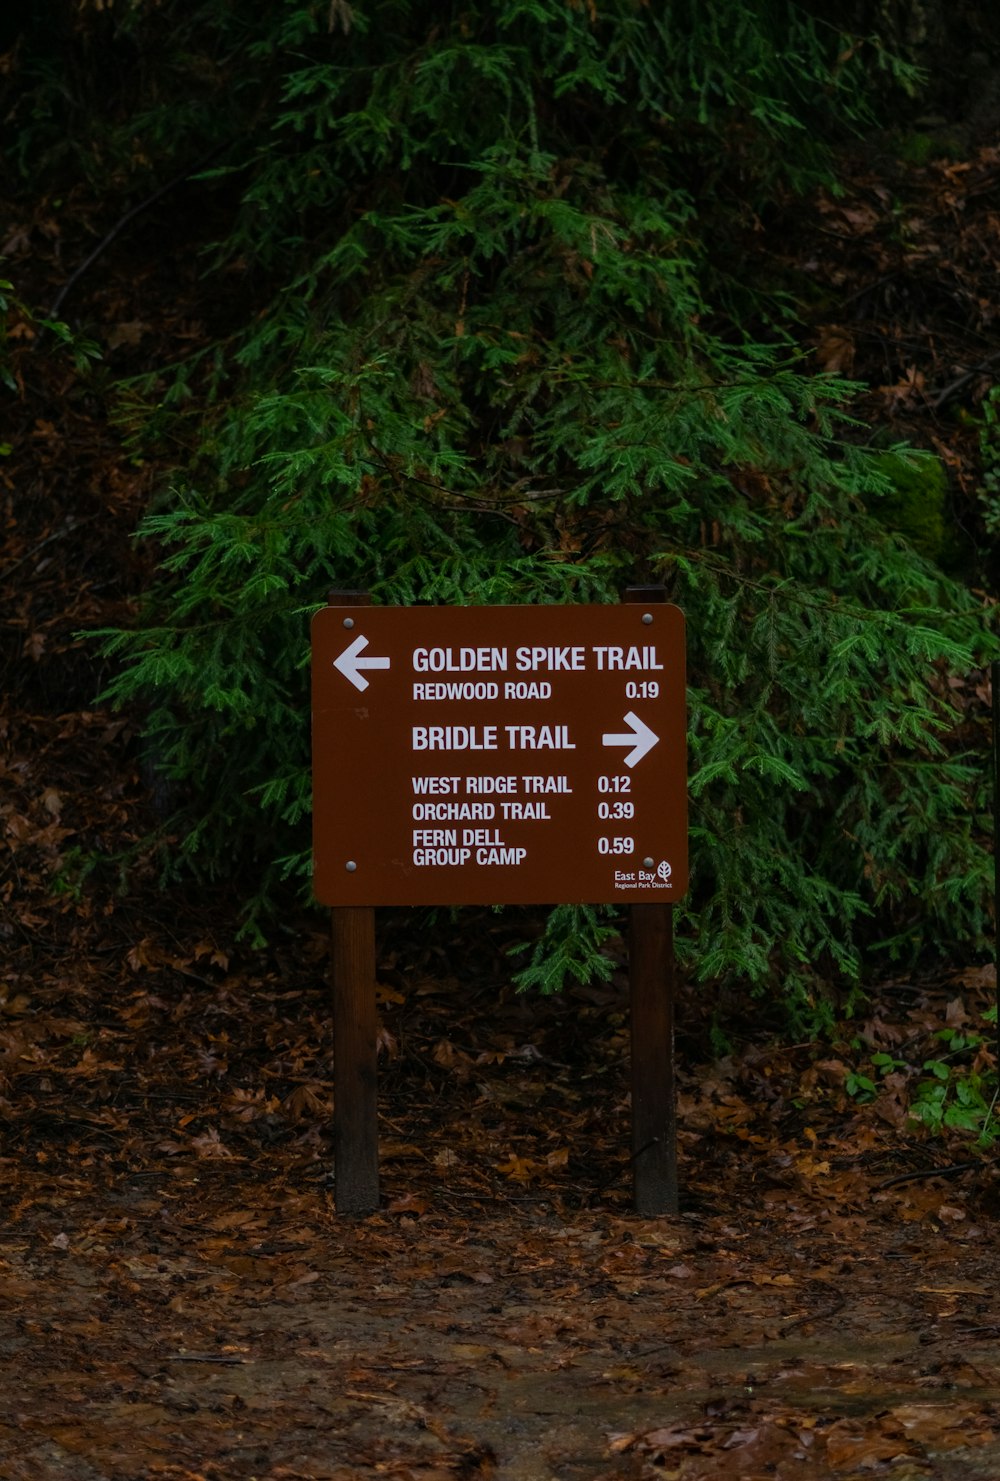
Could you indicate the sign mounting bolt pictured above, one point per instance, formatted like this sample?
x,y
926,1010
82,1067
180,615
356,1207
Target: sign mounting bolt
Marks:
x,y
350,866
647,863
348,621
647,618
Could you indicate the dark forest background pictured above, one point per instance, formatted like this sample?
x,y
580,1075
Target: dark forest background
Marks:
x,y
522,301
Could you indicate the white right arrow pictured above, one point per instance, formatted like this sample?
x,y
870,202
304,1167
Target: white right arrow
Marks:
x,y
640,738
350,664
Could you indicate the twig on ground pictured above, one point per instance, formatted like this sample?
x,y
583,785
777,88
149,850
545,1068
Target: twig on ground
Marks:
x,y
950,1171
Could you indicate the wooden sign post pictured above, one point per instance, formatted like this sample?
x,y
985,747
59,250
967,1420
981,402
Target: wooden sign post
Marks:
x,y
651,1027
491,756
355,1052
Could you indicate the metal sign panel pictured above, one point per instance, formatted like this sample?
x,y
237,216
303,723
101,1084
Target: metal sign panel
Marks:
x,y
499,755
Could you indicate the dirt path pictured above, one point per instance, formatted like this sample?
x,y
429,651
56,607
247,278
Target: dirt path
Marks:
x,y
206,1325
178,1298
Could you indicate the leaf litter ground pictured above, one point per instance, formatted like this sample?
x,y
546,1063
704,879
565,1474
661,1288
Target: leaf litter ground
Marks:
x,y
181,1299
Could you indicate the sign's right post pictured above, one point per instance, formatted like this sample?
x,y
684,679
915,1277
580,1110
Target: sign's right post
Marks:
x,y
651,987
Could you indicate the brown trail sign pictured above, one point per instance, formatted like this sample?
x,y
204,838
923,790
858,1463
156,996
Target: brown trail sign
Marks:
x,y
498,755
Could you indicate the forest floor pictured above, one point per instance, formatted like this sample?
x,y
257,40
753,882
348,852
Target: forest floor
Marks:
x,y
180,1298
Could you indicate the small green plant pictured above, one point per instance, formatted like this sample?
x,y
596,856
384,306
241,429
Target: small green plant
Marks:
x,y
952,1091
859,1086
961,1100
956,1091
862,1087
71,876
20,325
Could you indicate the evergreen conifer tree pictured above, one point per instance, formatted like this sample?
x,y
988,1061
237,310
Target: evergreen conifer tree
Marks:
x,y
505,348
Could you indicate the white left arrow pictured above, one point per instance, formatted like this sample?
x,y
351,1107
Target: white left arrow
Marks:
x,y
639,737
350,663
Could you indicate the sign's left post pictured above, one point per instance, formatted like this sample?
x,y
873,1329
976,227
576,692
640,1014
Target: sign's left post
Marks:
x,y
355,1073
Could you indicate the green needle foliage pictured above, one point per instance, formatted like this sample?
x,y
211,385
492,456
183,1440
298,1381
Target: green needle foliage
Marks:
x,y
504,348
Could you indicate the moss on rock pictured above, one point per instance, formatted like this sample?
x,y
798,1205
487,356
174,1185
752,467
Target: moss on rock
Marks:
x,y
916,504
